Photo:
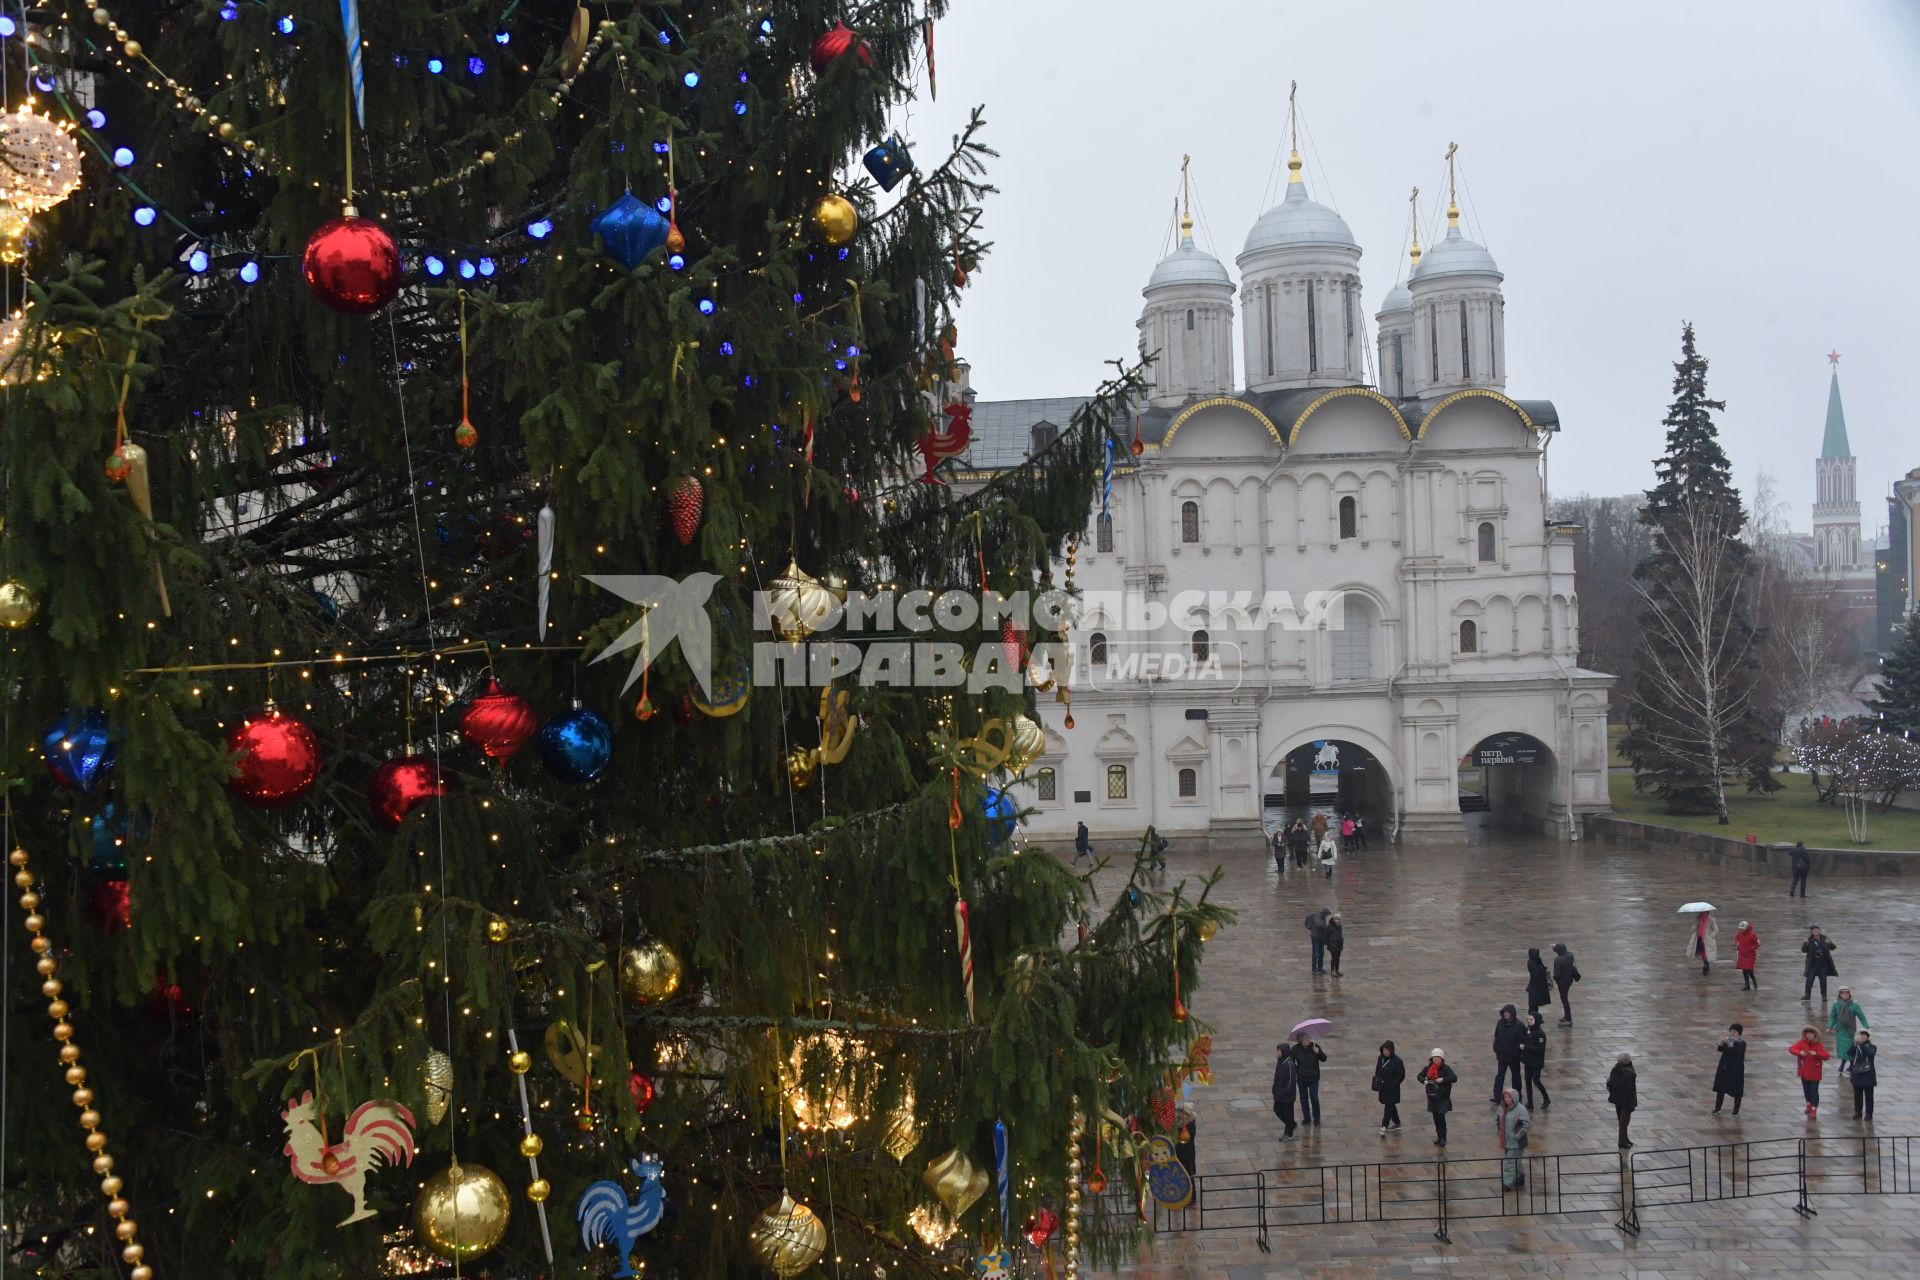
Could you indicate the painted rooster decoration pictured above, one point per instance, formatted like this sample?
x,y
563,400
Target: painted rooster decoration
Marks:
x,y
606,1217
949,442
376,1133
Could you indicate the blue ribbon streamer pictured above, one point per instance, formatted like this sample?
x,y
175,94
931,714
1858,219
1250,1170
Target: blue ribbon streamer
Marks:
x,y
1000,1173
356,68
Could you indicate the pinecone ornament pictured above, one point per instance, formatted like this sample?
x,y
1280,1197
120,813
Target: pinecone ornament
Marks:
x,y
686,501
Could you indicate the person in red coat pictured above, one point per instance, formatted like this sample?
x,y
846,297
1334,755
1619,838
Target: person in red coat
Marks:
x,y
1810,1054
1746,946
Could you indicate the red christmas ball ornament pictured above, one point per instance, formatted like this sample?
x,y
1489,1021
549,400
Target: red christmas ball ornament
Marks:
x,y
837,44
118,467
498,722
640,1089
400,784
352,265
168,1000
686,502
1096,1181
112,906
1040,1226
276,759
466,435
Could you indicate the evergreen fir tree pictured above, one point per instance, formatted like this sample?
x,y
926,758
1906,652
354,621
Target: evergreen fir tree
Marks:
x,y
1898,706
328,542
1693,715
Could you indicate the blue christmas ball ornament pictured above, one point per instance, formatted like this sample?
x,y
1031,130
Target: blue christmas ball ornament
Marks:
x,y
79,748
630,230
889,162
576,745
1002,815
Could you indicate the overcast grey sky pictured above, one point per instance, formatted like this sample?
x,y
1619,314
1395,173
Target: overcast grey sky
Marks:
x,y
1748,166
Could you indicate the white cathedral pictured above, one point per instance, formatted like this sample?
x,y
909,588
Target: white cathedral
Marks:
x,y
1446,686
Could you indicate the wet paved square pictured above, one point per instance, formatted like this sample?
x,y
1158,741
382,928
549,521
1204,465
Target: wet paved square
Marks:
x,y
1437,941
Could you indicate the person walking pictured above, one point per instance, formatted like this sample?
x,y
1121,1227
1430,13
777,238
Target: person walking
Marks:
x,y
1624,1093
1307,1057
1360,832
1730,1077
1319,827
1701,945
1512,1127
1156,850
1844,1020
1336,942
1082,846
1298,838
1565,974
1533,1060
1389,1073
1864,1076
1439,1079
1746,949
1346,831
1802,864
1819,950
1809,1053
1508,1037
1329,853
1317,934
1283,1088
1539,990
1278,840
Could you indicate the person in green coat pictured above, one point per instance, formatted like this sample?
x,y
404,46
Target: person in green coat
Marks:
x,y
1844,1020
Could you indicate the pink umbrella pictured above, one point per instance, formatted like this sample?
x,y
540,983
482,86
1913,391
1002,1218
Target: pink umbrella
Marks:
x,y
1311,1024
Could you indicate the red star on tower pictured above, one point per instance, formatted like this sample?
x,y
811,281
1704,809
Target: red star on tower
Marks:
x,y
1833,357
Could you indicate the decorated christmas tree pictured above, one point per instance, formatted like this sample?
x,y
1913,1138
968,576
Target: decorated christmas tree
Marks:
x,y
1897,708
370,375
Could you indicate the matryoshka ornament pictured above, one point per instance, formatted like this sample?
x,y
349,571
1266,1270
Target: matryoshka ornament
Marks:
x,y
1168,1181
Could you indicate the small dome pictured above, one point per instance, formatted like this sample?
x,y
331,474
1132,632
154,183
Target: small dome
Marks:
x,y
1399,298
1189,264
1297,221
1455,255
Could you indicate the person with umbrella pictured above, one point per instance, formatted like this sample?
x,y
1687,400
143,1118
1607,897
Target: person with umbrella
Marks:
x,y
1700,939
1439,1079
1307,1057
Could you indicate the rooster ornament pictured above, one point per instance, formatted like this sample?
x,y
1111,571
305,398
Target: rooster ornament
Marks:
x,y
606,1216
377,1132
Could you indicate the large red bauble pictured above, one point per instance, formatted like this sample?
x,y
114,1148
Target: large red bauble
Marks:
x,y
686,502
1040,1226
837,44
640,1089
351,264
400,784
498,722
112,907
277,759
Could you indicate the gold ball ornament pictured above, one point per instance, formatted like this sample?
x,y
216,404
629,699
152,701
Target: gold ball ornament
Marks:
x,y
1028,744
802,762
498,929
462,1211
519,1062
1206,929
834,219
788,1238
798,604
18,605
531,1145
956,1180
538,1190
649,972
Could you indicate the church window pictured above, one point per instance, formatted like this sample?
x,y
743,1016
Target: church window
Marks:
x,y
1097,649
1189,522
1044,434
1349,518
1116,782
1189,783
1103,532
1352,645
1202,646
1486,544
1466,358
1267,329
1493,344
1469,637
1346,300
1048,785
1399,368
1189,319
1433,338
1313,334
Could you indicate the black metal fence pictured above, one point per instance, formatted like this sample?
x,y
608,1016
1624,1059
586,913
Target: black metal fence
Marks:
x,y
1616,1183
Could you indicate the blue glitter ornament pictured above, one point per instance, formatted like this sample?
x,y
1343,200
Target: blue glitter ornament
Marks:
x,y
1002,815
576,745
630,230
79,748
889,162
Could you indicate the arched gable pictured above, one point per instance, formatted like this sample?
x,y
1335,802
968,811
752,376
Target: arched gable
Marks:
x,y
1342,393
1475,393
1218,402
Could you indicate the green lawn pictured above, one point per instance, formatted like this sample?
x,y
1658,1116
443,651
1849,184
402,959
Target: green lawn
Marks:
x,y
1615,732
1787,816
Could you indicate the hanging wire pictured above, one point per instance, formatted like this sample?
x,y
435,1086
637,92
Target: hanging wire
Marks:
x,y
1200,208
1332,201
1479,228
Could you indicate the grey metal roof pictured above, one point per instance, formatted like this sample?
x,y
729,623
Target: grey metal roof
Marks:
x,y
1188,264
1298,221
1455,255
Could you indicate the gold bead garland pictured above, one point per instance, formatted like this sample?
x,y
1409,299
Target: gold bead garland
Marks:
x,y
1075,1132
132,1252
